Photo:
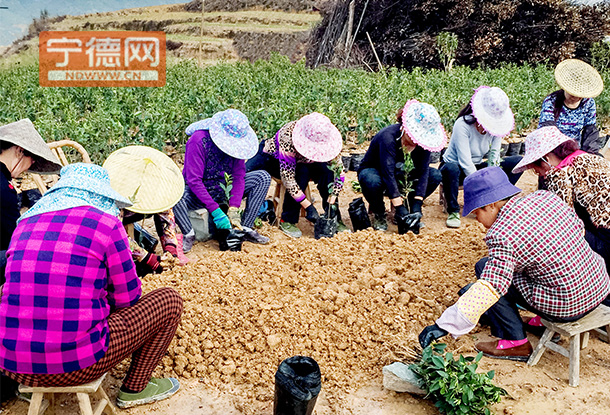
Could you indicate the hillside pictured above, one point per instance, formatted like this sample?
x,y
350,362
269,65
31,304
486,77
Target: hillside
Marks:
x,y
227,35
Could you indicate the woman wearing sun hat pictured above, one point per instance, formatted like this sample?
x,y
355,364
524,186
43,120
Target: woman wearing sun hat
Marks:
x,y
154,184
21,149
303,150
581,179
572,108
72,306
477,132
418,132
218,146
537,259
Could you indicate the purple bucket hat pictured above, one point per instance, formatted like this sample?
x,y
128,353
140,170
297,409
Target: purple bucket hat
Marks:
x,y
423,124
231,132
316,138
538,144
485,187
491,109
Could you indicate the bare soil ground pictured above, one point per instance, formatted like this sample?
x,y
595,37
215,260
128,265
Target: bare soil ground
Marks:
x,y
352,303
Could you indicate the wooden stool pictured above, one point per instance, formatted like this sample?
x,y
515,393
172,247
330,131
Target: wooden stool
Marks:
x,y
600,317
278,199
37,407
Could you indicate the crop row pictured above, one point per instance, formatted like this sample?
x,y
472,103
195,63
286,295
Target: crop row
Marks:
x,y
270,93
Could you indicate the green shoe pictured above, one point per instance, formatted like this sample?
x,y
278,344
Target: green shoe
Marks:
x,y
342,228
156,390
380,223
290,229
453,220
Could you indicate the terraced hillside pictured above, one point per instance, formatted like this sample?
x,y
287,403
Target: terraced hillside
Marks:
x,y
226,36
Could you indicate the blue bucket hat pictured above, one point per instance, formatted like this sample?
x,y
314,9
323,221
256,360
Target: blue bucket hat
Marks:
x,y
486,186
231,132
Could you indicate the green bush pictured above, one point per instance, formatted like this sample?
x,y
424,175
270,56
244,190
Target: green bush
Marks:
x,y
454,385
270,93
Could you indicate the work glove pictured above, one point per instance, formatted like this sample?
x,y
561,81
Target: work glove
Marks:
x,y
154,262
431,333
400,211
413,222
220,219
234,217
311,214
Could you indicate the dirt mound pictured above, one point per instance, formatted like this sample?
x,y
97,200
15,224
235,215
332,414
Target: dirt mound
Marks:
x,y
234,5
346,302
260,45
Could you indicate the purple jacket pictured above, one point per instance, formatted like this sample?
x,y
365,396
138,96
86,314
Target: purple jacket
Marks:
x,y
204,168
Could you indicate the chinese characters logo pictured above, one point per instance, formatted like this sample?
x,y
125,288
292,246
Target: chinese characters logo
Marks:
x,y
110,58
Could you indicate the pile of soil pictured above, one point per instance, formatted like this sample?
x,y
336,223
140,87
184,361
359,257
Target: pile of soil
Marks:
x,y
347,302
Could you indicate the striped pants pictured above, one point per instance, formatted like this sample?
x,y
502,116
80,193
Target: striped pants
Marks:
x,y
142,331
255,191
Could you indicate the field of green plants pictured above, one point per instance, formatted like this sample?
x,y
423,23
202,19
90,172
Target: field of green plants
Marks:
x,y
270,93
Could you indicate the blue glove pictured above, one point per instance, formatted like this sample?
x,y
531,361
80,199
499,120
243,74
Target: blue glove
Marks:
x,y
431,333
221,220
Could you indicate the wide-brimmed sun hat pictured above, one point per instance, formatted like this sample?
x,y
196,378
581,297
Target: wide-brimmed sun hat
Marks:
x,y
231,132
578,78
491,109
316,138
423,124
147,177
539,143
90,177
23,134
486,186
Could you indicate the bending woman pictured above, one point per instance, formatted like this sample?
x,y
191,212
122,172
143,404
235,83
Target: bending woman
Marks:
x,y
572,108
477,131
581,179
70,257
418,131
303,150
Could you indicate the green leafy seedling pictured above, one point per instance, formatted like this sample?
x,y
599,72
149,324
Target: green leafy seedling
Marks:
x,y
454,384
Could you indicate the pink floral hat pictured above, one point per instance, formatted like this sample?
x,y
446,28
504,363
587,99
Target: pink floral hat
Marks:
x,y
316,138
491,109
538,144
423,124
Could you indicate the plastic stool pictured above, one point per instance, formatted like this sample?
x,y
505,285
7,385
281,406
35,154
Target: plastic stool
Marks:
x,y
37,407
600,317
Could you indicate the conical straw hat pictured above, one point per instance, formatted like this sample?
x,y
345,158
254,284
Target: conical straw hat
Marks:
x,y
578,78
145,176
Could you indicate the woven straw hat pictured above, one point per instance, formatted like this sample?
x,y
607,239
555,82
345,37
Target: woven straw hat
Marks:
x,y
145,176
578,78
22,133
423,124
316,138
491,109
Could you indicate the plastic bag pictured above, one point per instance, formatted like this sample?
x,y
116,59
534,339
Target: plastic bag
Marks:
x,y
230,239
359,215
326,225
267,211
144,238
297,385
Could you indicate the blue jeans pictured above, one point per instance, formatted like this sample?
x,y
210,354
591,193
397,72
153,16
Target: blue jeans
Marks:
x,y
453,177
374,189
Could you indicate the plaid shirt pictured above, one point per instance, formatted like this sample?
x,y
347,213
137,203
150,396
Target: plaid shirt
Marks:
x,y
537,244
66,270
